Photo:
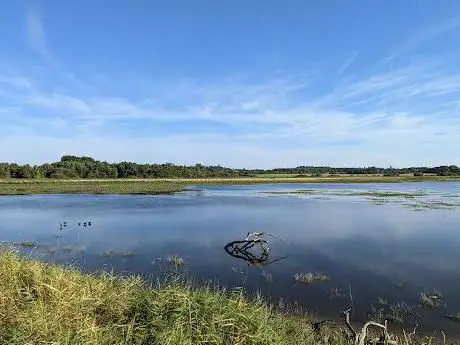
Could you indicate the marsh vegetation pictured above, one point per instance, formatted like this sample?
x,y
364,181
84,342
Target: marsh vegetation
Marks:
x,y
413,199
185,235
43,303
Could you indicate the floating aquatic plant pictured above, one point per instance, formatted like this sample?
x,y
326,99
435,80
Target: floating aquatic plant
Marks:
x,y
175,260
432,299
309,278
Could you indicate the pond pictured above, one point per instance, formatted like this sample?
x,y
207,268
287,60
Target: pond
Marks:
x,y
377,246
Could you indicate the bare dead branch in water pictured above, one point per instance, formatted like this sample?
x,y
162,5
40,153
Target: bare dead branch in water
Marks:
x,y
346,314
254,241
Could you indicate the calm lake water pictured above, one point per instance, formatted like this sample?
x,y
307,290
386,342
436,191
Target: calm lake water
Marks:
x,y
379,245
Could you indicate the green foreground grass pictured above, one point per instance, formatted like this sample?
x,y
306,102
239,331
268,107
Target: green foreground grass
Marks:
x,y
46,304
162,186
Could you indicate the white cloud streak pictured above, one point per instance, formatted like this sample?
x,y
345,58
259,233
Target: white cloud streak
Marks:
x,y
424,36
36,36
402,117
350,59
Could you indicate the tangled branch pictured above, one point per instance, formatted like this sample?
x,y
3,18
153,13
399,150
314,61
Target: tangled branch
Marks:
x,y
360,337
254,249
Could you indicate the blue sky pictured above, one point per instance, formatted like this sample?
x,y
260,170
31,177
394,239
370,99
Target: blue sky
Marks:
x,y
239,83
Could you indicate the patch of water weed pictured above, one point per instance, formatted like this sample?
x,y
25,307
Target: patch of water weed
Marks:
x,y
28,244
429,204
67,249
400,312
300,191
267,277
175,260
113,253
344,192
387,194
432,299
337,293
44,248
237,270
309,278
322,197
452,317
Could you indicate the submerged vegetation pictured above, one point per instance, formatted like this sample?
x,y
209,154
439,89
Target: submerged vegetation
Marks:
x,y
416,200
432,299
309,278
176,261
113,253
453,317
370,193
399,313
28,244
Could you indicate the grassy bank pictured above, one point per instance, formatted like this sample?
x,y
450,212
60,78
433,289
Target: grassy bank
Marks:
x,y
161,186
150,187
46,304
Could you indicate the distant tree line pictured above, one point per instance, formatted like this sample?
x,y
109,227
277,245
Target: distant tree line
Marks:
x,y
86,167
444,170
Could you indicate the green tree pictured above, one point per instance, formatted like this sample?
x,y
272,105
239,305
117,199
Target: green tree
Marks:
x,y
5,170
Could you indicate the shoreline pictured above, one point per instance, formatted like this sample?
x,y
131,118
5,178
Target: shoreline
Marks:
x,y
169,186
43,302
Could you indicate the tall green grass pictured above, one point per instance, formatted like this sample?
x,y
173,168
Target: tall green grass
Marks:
x,y
46,304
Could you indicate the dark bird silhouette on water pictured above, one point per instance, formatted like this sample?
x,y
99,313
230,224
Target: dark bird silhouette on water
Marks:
x,y
89,223
79,224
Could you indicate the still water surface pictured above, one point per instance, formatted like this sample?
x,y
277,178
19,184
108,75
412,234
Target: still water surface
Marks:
x,y
380,247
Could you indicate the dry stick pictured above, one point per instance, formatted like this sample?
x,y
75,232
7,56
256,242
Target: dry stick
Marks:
x,y
406,341
444,337
351,299
360,338
346,313
363,335
412,333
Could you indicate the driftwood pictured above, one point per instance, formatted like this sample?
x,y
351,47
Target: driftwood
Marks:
x,y
359,338
254,249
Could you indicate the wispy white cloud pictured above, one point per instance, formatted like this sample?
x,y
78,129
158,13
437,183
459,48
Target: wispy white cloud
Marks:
x,y
36,36
425,35
349,60
15,82
397,117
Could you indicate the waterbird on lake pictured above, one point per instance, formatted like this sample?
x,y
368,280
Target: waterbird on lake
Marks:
x,y
79,224
84,224
89,223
